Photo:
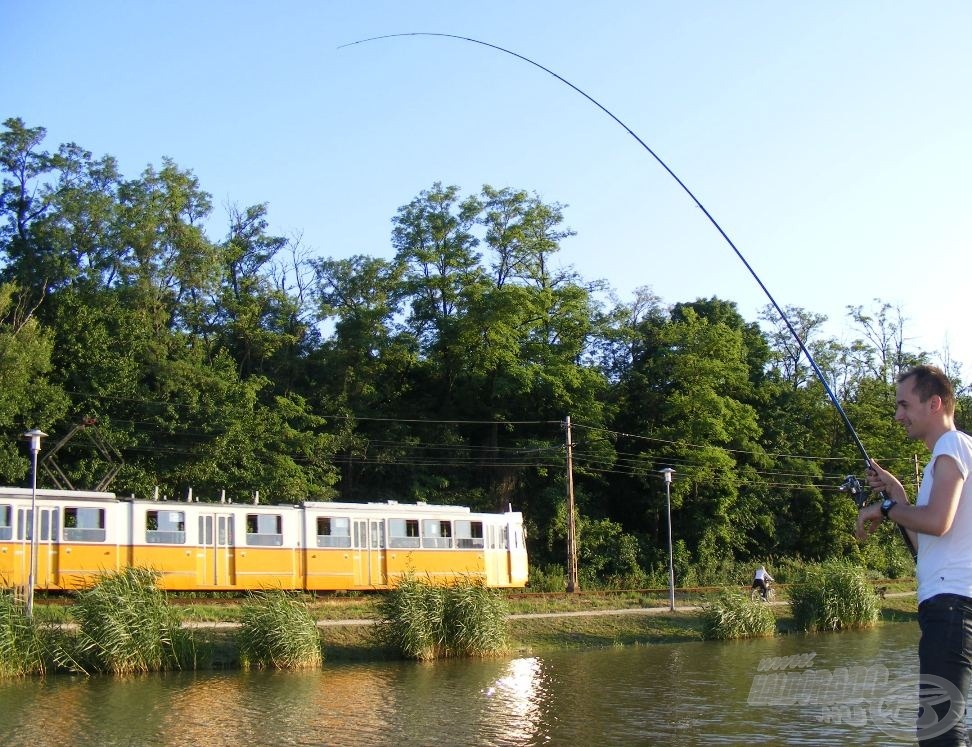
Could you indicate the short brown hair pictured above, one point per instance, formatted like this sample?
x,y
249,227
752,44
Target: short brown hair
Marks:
x,y
930,381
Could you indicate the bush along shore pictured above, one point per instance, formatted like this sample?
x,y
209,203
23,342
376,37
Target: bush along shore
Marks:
x,y
125,624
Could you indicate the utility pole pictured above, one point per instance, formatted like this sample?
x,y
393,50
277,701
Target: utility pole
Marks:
x,y
572,582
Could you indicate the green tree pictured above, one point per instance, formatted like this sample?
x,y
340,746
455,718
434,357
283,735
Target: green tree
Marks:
x,y
28,397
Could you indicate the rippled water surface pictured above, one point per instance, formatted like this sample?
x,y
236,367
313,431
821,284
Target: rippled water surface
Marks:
x,y
693,693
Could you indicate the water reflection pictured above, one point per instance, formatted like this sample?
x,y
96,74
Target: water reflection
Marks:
x,y
684,694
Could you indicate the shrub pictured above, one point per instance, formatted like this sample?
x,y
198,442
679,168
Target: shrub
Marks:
x,y
832,596
735,615
21,646
426,622
277,630
547,578
125,626
473,620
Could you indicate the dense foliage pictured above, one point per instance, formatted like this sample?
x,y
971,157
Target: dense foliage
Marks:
x,y
126,626
21,643
735,615
421,620
242,363
834,595
277,631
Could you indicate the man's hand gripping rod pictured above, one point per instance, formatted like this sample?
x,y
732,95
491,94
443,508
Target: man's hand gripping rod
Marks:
x,y
853,486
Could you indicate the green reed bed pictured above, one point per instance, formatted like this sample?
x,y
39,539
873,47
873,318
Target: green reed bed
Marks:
x,y
126,626
735,615
22,649
426,622
833,595
277,631
474,620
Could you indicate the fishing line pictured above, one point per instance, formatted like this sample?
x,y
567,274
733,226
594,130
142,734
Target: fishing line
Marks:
x,y
859,496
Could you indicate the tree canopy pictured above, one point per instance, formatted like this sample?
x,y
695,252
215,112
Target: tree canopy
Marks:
x,y
441,369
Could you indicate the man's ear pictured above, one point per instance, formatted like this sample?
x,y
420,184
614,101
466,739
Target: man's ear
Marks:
x,y
935,403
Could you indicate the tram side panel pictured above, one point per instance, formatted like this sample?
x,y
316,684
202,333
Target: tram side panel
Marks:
x,y
77,547
165,539
204,546
267,550
332,548
79,537
437,549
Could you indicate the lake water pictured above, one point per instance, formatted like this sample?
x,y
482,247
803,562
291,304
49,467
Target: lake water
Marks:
x,y
685,694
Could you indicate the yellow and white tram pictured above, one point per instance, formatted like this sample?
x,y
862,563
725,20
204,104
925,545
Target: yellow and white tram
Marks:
x,y
194,546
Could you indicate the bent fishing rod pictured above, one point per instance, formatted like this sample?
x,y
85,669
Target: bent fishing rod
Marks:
x,y
850,484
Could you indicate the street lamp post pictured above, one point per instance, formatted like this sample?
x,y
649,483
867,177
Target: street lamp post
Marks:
x,y
35,437
668,472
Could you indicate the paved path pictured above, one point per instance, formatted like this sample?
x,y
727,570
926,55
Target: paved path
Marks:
x,y
679,609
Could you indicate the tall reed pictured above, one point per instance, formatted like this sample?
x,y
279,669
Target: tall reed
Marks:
x,y
424,621
278,631
125,626
736,615
832,596
22,650
473,619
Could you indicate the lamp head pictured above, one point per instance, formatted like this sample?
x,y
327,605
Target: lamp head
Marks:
x,y
35,437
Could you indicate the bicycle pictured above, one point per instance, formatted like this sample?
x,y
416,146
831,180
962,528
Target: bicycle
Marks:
x,y
756,595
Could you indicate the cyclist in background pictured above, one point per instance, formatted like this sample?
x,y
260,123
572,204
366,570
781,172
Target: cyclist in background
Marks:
x,y
761,580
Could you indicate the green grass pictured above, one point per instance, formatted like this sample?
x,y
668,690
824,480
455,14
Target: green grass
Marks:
x,y
277,631
125,626
357,643
22,648
833,595
735,615
424,621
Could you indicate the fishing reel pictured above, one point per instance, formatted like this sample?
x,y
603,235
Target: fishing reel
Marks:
x,y
857,492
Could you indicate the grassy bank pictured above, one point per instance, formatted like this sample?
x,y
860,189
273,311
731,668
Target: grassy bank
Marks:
x,y
582,627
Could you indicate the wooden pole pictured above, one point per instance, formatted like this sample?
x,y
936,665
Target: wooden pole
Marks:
x,y
572,580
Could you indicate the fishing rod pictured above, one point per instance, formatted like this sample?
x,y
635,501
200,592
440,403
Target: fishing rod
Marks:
x,y
860,497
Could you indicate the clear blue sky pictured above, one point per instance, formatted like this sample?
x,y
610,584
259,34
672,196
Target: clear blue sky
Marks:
x,y
831,140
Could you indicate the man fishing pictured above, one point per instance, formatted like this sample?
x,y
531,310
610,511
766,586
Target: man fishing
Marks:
x,y
940,525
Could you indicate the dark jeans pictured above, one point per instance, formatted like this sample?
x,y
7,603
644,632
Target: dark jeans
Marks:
x,y
944,651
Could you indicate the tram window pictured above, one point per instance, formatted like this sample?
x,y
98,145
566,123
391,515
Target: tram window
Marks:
x,y
264,529
469,534
206,530
517,539
377,535
82,524
436,533
403,533
6,528
333,532
168,527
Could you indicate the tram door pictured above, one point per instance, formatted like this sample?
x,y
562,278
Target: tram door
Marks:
x,y
370,567
216,565
48,573
46,563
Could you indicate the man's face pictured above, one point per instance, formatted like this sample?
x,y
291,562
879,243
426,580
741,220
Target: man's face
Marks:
x,y
911,412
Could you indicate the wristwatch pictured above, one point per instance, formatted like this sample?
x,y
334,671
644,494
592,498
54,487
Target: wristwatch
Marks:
x,y
886,505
